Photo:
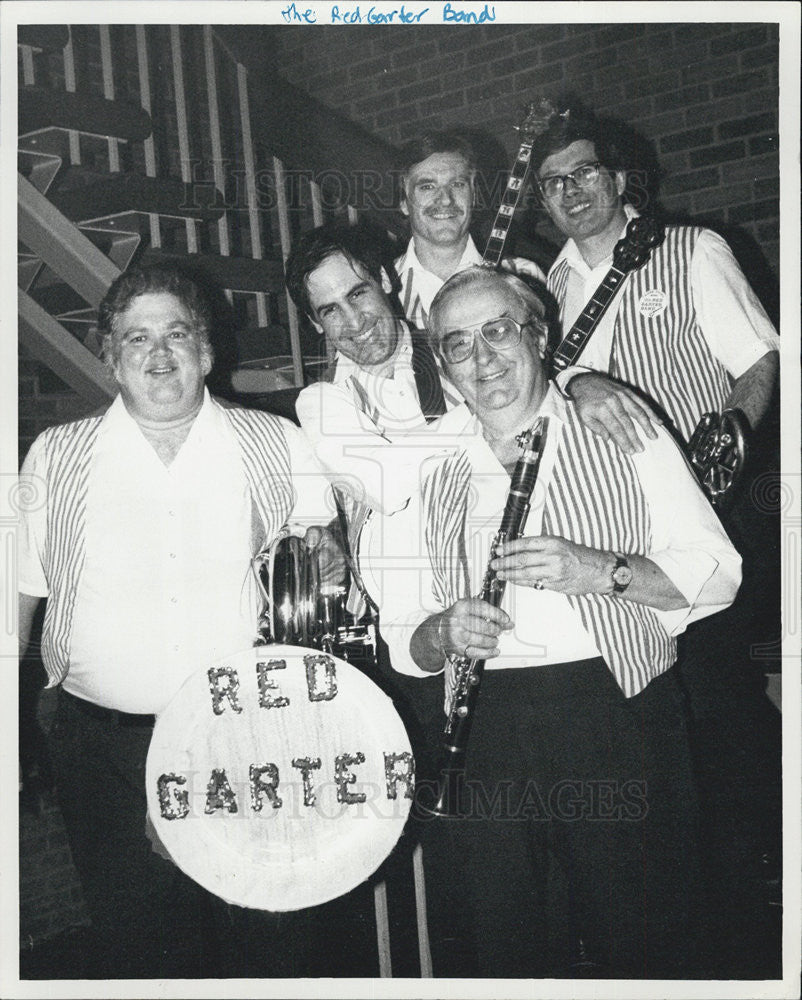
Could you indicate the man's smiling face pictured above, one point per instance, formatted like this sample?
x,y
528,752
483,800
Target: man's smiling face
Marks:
x,y
583,213
351,308
490,378
159,357
438,198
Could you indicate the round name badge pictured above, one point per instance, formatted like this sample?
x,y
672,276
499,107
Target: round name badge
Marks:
x,y
652,303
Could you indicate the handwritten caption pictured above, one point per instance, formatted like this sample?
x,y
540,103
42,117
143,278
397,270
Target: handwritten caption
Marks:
x,y
446,13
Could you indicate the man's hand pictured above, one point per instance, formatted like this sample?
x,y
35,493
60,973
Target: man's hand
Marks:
x,y
471,627
522,267
611,410
553,563
331,560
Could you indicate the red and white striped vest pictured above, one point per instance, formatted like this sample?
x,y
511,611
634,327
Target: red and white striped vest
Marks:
x,y
69,450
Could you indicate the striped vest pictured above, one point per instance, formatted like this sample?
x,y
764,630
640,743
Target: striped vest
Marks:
x,y
68,453
662,351
593,498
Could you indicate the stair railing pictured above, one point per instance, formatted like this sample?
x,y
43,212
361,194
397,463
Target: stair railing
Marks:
x,y
237,146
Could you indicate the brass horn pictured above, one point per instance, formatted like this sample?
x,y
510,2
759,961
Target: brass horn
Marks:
x,y
299,611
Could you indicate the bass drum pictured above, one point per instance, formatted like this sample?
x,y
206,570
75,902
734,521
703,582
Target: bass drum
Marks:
x,y
280,778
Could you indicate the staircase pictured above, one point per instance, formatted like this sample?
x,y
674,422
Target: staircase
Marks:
x,y
146,144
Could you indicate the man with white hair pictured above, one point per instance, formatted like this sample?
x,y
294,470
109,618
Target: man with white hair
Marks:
x,y
578,749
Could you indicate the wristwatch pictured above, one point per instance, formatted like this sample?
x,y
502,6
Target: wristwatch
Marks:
x,y
622,573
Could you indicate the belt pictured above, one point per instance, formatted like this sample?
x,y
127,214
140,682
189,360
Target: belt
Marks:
x,y
126,720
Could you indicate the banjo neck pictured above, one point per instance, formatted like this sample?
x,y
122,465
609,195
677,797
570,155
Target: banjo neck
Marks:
x,y
494,248
574,342
631,252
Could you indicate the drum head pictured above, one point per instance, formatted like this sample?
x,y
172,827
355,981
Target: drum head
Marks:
x,y
280,778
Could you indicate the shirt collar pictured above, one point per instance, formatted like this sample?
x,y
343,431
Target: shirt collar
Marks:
x,y
460,422
410,261
117,418
345,368
570,252
460,430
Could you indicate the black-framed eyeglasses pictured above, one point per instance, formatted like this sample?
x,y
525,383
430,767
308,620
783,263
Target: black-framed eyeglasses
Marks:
x,y
500,334
582,176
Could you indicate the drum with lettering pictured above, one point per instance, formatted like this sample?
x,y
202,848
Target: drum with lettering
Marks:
x,y
279,778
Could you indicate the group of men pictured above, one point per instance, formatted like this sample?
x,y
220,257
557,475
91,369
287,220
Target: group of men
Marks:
x,y
579,758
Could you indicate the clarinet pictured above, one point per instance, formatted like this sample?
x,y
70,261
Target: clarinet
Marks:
x,y
469,671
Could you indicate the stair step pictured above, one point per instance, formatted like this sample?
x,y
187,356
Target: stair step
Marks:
x,y
39,167
119,245
76,178
273,372
239,274
54,296
48,37
251,381
42,108
28,266
118,194
48,342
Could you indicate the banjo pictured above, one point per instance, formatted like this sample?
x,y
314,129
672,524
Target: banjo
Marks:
x,y
717,450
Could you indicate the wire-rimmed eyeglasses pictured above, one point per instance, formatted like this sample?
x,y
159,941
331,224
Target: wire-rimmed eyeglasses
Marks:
x,y
582,176
499,334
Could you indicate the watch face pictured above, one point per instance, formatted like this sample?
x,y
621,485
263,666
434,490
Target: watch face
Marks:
x,y
622,576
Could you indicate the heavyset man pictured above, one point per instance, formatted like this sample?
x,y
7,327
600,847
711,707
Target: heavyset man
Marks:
x,y
578,748
141,547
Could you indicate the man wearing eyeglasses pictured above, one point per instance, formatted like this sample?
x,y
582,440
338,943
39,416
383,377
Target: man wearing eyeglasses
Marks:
x,y
578,751
686,330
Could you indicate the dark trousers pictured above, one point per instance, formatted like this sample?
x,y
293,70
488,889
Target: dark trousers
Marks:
x,y
563,768
148,919
735,729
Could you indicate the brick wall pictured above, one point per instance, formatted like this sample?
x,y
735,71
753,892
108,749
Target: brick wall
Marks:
x,y
705,95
